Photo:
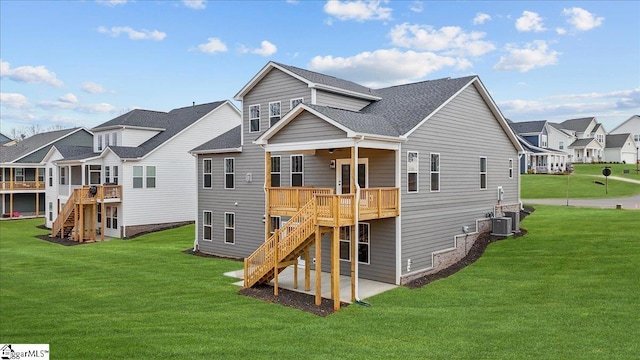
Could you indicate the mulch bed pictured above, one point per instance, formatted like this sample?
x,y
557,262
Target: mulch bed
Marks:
x,y
57,240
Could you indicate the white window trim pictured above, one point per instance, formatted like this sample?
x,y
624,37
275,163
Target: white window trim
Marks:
x,y
227,227
417,172
99,137
368,225
271,231
348,241
279,115
486,173
107,174
510,168
114,139
227,173
291,169
277,172
210,173
291,106
146,177
431,172
205,225
253,118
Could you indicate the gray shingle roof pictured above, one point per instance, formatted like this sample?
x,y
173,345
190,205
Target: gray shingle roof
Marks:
x,y
4,138
581,142
527,127
359,121
71,152
136,117
228,140
617,140
580,124
15,152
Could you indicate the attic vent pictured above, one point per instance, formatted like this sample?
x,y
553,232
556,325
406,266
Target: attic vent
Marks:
x,y
194,104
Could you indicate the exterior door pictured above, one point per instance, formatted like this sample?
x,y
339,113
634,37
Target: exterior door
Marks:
x,y
343,174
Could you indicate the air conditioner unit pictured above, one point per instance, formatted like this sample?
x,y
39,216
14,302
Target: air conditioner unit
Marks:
x,y
515,220
501,226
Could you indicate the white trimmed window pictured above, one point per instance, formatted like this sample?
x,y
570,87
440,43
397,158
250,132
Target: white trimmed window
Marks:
x,y
51,211
483,172
254,118
363,243
115,175
229,173
274,223
40,174
106,140
207,174
435,172
412,171
229,228
345,243
137,177
112,217
151,176
275,171
295,102
99,142
297,170
510,168
94,174
50,176
114,139
107,174
207,225
274,113
543,141
19,175
63,175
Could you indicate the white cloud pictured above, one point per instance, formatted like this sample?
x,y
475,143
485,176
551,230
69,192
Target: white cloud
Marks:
x,y
382,67
358,10
481,18
266,49
212,46
68,98
623,98
29,74
530,21
82,108
133,34
417,7
14,101
452,40
533,55
94,88
195,4
561,31
111,3
581,19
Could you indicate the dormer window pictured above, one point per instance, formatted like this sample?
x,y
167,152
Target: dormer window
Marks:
x,y
99,142
295,102
274,113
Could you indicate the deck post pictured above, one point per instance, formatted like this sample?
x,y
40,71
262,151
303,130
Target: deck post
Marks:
x,y
267,185
307,269
318,242
335,268
11,183
354,240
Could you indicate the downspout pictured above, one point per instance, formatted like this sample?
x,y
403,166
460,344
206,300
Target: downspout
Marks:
x,y
195,233
356,229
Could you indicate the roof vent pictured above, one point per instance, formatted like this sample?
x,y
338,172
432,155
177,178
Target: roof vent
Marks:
x,y
194,104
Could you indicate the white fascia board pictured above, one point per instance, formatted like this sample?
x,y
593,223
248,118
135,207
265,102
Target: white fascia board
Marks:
x,y
310,145
345,92
261,74
217,151
114,127
377,144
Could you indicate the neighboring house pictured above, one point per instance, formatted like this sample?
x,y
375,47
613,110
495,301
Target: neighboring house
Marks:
x,y
590,139
22,185
630,126
540,156
315,152
621,148
136,176
5,140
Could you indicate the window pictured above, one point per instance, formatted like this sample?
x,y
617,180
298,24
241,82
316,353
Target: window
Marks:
x,y
51,211
99,214
363,243
295,102
207,225
115,175
254,118
94,174
50,176
40,174
137,177
230,228
229,175
112,217
106,140
435,172
151,176
483,173
63,176
274,223
275,171
207,173
543,141
636,138
107,174
99,142
561,145
274,113
412,171
114,139
511,168
19,174
297,170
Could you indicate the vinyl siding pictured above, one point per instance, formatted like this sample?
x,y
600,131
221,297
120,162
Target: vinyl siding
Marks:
x,y
79,138
431,219
132,137
340,101
307,127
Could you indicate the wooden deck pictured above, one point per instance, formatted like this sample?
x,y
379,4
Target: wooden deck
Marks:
x,y
21,185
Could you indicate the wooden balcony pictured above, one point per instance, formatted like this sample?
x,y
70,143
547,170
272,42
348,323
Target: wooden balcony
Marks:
x,y
21,186
103,193
335,210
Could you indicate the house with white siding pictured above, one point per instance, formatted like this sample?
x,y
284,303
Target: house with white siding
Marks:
x,y
137,174
368,183
630,126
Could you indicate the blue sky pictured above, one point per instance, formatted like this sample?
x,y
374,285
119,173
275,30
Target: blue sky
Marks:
x,y
81,63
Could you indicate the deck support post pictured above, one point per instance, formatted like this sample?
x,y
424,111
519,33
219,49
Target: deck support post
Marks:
x,y
307,269
267,186
318,242
335,268
12,181
354,239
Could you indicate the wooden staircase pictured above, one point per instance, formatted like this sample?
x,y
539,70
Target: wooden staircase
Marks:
x,y
283,247
65,219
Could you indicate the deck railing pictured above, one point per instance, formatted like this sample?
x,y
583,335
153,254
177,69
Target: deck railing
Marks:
x,y
379,202
293,198
22,185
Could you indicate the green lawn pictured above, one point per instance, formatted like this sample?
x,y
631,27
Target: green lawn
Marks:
x,y
568,289
581,184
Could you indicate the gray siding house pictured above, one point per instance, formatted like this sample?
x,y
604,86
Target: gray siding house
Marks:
x,y
417,198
